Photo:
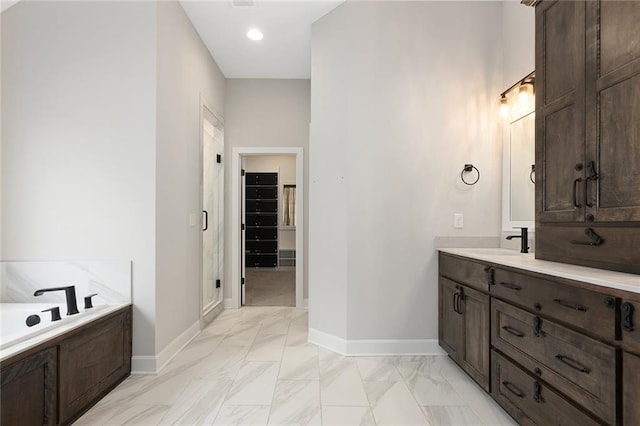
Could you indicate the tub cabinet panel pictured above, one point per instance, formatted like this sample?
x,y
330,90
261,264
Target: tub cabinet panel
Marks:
x,y
92,362
28,390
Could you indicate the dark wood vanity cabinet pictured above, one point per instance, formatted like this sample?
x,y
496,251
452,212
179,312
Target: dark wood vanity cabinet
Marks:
x,y
28,390
58,380
588,133
561,351
464,324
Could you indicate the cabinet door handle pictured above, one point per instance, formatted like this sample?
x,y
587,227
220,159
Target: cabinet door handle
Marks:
x,y
510,286
593,176
627,316
575,192
206,220
490,275
455,302
513,389
570,305
572,363
513,331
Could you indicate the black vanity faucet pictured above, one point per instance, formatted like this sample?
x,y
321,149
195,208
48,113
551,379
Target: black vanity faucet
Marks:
x,y
70,293
524,239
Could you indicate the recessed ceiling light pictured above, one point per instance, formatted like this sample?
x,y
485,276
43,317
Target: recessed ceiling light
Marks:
x,y
255,34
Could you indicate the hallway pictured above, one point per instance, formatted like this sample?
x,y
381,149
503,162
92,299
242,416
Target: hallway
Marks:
x,y
253,366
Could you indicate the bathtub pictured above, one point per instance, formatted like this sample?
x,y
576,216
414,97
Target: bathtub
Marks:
x,y
13,327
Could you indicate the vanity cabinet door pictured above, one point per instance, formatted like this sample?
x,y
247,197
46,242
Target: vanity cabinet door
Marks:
x,y
630,389
476,338
560,100
28,390
450,318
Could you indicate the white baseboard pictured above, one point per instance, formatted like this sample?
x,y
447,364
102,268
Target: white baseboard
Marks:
x,y
143,365
305,303
153,364
375,347
228,304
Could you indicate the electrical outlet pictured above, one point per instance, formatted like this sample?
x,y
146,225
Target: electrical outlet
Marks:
x,y
458,220
192,219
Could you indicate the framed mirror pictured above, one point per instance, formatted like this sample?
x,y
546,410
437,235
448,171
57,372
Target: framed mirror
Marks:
x,y
518,197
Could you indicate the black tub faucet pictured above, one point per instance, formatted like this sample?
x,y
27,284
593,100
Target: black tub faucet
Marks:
x,y
524,239
70,293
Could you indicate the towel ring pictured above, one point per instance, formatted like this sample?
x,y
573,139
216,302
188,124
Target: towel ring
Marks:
x,y
532,174
469,168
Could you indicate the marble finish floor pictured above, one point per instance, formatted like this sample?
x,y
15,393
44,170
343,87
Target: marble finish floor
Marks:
x,y
253,366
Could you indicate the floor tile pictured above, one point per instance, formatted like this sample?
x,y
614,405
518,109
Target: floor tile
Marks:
x,y
340,383
247,415
392,403
296,402
299,363
347,416
199,404
379,368
125,414
254,384
451,416
267,348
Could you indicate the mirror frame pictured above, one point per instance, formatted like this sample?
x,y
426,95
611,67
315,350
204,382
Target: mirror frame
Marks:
x,y
508,225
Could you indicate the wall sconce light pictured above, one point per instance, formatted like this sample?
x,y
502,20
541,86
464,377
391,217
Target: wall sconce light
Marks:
x,y
526,91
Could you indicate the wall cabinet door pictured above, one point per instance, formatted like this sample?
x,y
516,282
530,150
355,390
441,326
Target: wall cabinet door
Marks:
x,y
560,100
28,390
613,111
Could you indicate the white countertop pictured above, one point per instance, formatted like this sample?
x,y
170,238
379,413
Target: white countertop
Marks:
x,y
515,259
63,328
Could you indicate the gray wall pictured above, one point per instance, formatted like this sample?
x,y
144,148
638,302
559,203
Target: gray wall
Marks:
x,y
185,72
403,95
266,113
79,139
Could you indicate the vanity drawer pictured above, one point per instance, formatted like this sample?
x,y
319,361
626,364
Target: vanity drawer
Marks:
x,y
472,274
578,366
525,397
630,324
588,310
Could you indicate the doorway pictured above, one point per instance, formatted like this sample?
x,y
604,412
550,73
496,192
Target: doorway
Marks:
x,y
290,258
269,234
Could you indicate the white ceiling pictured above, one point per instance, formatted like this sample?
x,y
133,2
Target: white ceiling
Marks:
x,y
285,51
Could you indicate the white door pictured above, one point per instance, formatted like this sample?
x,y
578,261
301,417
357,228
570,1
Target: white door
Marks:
x,y
213,214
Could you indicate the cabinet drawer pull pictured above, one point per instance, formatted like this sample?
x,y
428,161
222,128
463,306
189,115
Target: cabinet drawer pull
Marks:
x,y
537,392
513,331
570,305
490,275
513,389
572,363
537,326
511,286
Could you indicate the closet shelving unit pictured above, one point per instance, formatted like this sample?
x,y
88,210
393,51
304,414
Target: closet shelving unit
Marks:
x,y
261,220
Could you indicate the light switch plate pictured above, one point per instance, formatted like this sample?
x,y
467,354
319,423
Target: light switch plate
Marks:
x,y
458,220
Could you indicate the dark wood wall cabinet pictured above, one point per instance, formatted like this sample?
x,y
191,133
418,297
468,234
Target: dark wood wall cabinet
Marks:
x,y
588,133
548,349
57,381
261,220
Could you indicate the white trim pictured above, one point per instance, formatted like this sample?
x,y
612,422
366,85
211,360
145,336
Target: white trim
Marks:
x,y
328,341
375,347
236,166
228,304
210,308
143,365
174,348
305,304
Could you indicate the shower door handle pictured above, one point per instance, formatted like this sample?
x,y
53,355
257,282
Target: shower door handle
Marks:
x,y
206,220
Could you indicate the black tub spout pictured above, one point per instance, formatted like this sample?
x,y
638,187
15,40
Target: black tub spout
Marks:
x,y
70,293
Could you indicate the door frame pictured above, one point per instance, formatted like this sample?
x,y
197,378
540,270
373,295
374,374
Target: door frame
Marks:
x,y
236,221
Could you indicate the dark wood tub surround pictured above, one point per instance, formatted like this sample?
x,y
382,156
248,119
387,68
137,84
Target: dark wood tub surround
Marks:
x,y
60,379
588,133
553,350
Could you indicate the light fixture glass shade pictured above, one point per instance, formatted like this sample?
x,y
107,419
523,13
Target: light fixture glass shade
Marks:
x,y
525,92
504,107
